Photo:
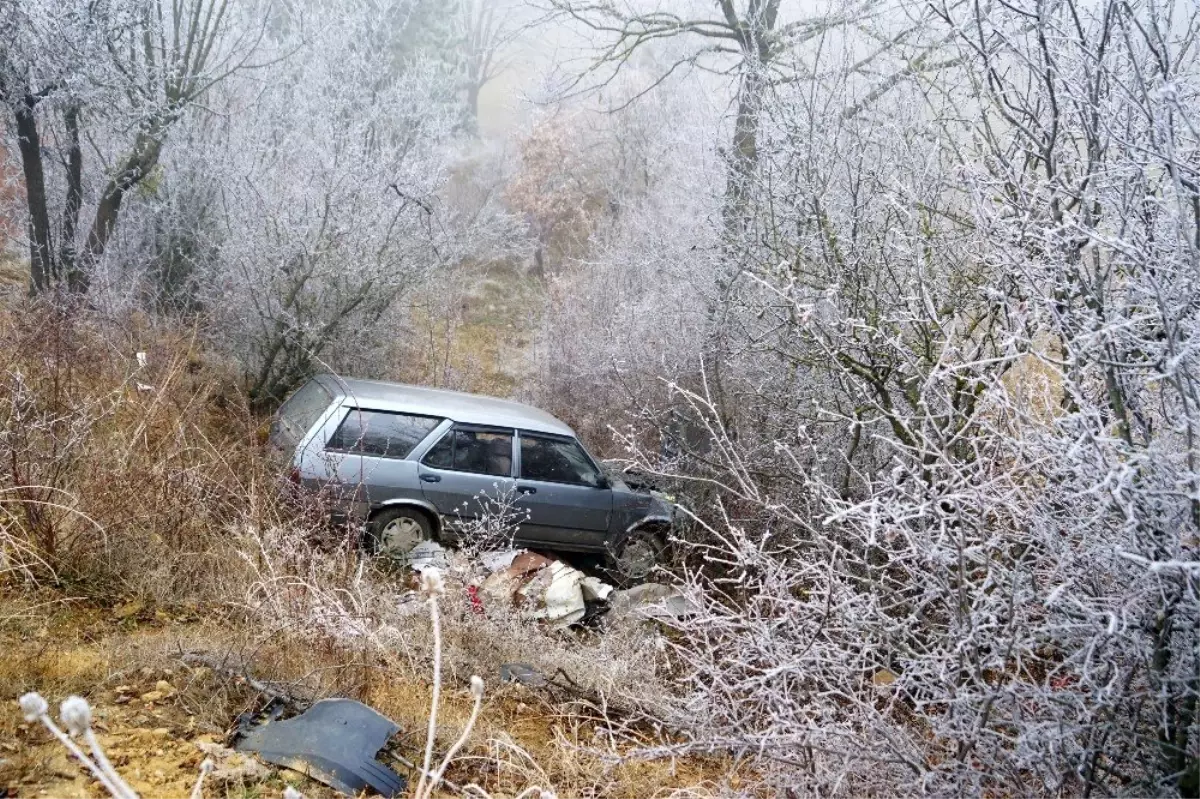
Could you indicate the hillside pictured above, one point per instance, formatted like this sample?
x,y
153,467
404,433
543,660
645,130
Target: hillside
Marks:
x,y
144,537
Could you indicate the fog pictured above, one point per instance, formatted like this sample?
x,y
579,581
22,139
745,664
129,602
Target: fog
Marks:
x,y
894,302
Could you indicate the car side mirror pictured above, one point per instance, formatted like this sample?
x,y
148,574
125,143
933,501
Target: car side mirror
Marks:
x,y
602,481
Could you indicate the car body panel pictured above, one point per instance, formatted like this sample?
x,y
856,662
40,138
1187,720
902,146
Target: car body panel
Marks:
x,y
460,496
567,515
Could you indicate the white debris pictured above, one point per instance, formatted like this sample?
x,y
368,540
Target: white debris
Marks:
x,y
552,590
595,589
428,554
652,601
563,596
495,561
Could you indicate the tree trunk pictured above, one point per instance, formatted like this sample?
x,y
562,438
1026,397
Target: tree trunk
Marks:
x,y
743,158
41,251
144,158
473,107
70,219
743,166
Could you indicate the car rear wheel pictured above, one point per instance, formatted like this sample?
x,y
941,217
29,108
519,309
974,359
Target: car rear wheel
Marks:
x,y
637,557
394,532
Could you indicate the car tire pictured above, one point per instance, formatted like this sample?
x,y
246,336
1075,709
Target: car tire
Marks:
x,y
393,532
639,554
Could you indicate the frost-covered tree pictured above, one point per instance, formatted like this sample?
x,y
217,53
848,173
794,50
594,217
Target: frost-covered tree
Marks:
x,y
94,89
947,537
482,30
308,196
753,53
631,248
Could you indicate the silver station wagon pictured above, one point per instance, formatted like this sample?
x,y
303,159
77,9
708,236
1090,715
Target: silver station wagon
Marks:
x,y
413,463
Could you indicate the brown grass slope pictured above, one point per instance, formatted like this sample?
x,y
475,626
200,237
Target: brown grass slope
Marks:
x,y
140,528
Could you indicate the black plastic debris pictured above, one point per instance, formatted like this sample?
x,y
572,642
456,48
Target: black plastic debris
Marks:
x,y
334,742
274,710
522,673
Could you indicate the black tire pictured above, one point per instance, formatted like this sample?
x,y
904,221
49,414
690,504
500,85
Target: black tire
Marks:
x,y
393,532
639,554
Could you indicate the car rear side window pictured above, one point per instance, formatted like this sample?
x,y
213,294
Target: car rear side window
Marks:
x,y
382,433
301,411
556,460
478,451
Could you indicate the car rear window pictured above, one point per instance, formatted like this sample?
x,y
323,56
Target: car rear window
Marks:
x,y
382,433
301,411
477,451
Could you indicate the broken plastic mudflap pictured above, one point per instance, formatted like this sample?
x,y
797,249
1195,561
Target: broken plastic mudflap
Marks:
x,y
335,742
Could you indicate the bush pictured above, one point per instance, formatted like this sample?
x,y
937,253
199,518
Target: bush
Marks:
x,y
126,454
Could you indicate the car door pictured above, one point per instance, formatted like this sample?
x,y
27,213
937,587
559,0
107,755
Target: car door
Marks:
x,y
466,471
566,497
366,456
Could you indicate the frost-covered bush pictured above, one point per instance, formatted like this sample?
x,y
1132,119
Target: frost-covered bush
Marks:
x,y
491,521
947,414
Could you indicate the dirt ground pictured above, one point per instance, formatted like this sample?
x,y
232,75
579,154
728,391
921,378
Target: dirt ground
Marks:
x,y
150,711
158,716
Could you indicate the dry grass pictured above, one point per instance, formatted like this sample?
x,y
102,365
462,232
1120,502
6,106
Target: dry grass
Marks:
x,y
77,648
119,477
140,522
116,663
471,332
14,272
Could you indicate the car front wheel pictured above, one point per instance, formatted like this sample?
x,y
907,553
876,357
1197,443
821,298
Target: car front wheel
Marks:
x,y
638,555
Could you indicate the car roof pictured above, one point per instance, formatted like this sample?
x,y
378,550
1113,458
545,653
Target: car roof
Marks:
x,y
455,405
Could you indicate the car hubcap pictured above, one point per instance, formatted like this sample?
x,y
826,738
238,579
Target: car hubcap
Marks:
x,y
638,558
399,536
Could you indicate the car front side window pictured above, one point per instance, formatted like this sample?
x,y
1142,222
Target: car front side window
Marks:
x,y
556,460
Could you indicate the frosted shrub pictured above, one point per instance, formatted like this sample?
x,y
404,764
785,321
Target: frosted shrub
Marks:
x,y
492,523
292,583
948,402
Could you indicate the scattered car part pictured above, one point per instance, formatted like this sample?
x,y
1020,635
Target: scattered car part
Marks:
x,y
334,742
550,589
522,673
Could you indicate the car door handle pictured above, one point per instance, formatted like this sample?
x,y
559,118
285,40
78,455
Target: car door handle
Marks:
x,y
431,478
526,490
